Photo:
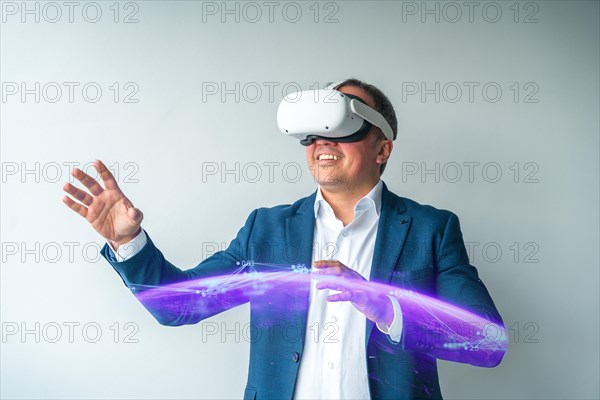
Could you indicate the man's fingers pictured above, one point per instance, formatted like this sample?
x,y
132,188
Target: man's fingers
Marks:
x,y
336,284
106,175
79,194
327,285
342,272
328,271
327,264
343,296
345,292
88,181
78,208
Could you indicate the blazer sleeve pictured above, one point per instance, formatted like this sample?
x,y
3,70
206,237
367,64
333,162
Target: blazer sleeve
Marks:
x,y
471,329
164,289
457,281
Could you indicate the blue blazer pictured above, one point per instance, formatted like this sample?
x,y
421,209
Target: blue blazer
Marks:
x,y
417,247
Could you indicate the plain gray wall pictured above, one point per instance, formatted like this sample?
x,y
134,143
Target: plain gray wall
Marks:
x,y
544,219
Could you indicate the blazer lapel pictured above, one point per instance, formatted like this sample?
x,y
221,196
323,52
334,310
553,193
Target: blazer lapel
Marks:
x,y
391,234
299,236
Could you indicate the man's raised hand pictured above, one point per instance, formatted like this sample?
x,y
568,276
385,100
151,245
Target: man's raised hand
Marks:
x,y
107,209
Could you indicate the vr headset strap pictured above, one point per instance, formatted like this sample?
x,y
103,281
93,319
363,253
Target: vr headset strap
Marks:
x,y
368,114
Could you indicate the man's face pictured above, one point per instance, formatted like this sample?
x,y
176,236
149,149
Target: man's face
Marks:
x,y
354,165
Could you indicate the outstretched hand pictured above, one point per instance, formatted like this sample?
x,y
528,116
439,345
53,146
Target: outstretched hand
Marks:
x,y
107,209
332,274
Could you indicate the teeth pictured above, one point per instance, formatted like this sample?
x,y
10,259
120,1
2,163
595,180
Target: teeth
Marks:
x,y
328,157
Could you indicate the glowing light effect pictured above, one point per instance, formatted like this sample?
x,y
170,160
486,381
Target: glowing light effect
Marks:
x,y
430,325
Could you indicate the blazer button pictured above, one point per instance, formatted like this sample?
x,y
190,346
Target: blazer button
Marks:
x,y
296,356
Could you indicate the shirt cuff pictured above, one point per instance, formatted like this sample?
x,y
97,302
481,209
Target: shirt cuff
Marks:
x,y
394,331
131,248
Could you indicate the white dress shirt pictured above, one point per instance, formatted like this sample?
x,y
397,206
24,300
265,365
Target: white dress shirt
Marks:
x,y
333,364
131,248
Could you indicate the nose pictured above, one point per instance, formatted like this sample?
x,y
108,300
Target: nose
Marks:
x,y
321,141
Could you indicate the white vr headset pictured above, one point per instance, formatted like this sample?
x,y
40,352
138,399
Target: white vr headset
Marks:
x,y
330,114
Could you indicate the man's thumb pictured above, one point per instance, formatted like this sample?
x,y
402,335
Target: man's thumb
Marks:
x,y
135,214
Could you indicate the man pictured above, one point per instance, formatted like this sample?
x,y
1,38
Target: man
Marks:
x,y
376,237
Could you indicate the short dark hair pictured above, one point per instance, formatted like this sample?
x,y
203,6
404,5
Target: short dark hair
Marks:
x,y
382,104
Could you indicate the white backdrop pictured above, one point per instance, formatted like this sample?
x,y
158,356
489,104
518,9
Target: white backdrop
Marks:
x,y
497,105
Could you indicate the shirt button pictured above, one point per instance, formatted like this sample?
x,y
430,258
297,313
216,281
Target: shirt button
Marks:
x,y
345,234
296,356
331,365
334,318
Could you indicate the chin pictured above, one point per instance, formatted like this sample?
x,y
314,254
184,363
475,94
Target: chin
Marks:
x,y
330,183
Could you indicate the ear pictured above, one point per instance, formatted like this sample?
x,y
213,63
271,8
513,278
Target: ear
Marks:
x,y
385,150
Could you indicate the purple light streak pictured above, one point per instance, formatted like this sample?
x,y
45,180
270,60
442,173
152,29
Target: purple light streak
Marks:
x,y
430,325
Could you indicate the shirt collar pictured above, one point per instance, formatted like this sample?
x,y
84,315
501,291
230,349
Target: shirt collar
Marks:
x,y
371,199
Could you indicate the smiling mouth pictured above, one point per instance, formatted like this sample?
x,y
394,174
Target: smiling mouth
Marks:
x,y
328,157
